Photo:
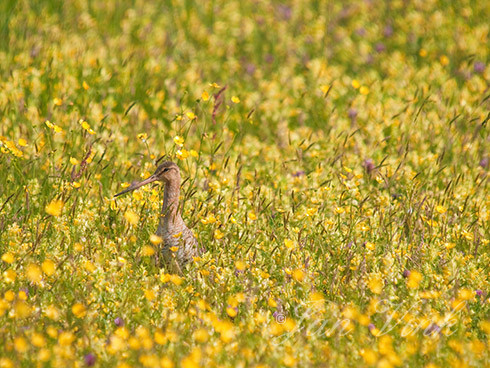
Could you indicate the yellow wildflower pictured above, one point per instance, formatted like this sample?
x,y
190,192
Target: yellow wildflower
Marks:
x,y
131,217
79,310
54,208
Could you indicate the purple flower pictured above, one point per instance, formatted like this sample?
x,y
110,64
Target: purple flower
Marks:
x,y
368,165
380,47
352,114
119,322
90,359
388,31
432,329
479,67
361,31
250,68
371,327
406,273
284,12
298,173
479,292
484,162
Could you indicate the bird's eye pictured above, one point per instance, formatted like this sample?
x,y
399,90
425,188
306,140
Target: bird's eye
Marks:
x,y
166,169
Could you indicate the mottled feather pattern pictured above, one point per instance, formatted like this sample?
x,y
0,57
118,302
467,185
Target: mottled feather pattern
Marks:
x,y
173,230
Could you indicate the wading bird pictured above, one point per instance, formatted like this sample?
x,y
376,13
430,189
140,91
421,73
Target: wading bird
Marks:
x,y
171,228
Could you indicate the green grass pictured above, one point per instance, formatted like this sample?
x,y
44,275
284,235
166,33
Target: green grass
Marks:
x,y
336,164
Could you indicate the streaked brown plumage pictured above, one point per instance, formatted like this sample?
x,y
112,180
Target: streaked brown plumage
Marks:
x,y
171,227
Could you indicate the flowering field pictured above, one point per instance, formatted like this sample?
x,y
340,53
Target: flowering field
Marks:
x,y
335,157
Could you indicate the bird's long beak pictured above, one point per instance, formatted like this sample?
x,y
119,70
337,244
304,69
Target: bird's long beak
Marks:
x,y
137,185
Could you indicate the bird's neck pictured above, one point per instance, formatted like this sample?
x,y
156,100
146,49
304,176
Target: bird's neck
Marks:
x,y
170,208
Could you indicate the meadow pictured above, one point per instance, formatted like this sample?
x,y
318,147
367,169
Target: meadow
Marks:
x,y
335,157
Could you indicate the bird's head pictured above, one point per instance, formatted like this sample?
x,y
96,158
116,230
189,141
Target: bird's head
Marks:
x,y
168,172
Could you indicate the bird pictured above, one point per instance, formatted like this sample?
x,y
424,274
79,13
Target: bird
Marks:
x,y
171,228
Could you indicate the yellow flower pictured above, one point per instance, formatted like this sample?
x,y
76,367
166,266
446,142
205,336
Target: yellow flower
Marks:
x,y
131,217
214,85
155,239
289,360
252,216
298,275
182,154
22,142
441,209
191,115
178,140
22,309
205,96
66,338
20,345
49,124
147,251
38,340
449,246
9,275
86,126
48,267
143,137
44,355
79,310
218,234
414,279
324,89
52,313
272,303
364,90
288,243
240,265
201,335
165,362
311,211
370,246
444,60
466,294
356,84
423,52
369,356
150,295
54,208
9,295
175,279
34,273
235,99
89,266
231,311
22,295
85,85
375,284
8,258
225,328
57,101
